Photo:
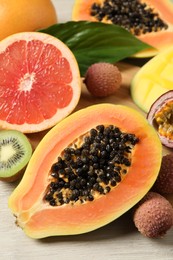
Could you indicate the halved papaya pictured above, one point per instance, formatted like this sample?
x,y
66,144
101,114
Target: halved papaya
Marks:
x,y
149,20
87,171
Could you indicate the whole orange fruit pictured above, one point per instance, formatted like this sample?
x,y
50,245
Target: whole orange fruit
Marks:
x,y
25,15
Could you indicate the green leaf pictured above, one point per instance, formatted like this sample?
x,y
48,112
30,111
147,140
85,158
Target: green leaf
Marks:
x,y
93,42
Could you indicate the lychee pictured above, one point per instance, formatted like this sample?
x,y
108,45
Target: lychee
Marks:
x,y
153,216
164,182
103,79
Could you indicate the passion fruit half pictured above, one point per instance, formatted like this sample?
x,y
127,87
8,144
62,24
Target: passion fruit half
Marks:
x,y
160,116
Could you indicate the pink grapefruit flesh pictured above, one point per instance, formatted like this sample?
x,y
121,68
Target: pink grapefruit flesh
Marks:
x,y
39,82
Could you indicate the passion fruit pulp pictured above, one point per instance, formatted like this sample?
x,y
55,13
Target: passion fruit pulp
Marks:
x,y
160,116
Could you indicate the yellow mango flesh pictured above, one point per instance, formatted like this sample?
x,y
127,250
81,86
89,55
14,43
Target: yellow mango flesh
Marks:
x,y
153,79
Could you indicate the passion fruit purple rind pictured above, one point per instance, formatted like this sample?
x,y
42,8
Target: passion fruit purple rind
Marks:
x,y
160,116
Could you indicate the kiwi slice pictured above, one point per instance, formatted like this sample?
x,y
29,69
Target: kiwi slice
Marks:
x,y
15,152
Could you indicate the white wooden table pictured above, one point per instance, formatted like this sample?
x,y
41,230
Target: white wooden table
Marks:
x,y
117,241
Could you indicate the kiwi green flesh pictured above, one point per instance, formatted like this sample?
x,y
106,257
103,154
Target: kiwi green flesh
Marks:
x,y
15,152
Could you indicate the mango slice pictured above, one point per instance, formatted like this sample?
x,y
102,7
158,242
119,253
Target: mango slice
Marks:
x,y
153,79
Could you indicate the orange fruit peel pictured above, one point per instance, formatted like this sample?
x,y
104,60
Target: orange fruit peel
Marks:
x,y
23,15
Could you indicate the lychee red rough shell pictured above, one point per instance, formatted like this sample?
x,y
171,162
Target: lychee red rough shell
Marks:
x,y
103,79
153,216
164,182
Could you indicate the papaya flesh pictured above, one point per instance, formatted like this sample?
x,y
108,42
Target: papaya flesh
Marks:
x,y
30,203
149,20
153,80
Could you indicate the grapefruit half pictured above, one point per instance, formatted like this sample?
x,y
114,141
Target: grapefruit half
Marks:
x,y
39,82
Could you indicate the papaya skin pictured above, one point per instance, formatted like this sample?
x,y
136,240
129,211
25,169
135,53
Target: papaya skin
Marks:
x,y
158,40
39,220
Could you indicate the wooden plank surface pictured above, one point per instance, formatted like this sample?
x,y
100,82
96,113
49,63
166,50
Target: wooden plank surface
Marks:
x,y
118,240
